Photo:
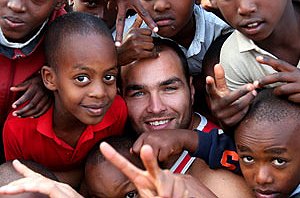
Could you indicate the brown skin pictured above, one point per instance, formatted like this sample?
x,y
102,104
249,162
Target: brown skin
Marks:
x,y
278,33
269,158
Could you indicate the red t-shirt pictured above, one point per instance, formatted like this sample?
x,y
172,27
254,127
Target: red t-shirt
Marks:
x,y
34,139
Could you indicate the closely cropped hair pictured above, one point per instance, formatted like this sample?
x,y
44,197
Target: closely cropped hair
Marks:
x,y
268,107
74,23
159,43
121,144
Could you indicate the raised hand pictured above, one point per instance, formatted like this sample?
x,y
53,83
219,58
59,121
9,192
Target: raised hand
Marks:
x,y
167,142
229,107
287,74
37,96
34,182
155,182
138,44
123,6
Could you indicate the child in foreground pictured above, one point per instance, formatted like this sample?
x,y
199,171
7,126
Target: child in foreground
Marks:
x,y
81,73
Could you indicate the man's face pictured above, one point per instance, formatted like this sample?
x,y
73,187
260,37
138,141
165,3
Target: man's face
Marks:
x,y
19,20
104,9
257,19
171,16
269,156
157,93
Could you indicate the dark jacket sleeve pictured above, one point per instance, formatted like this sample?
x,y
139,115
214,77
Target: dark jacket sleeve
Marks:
x,y
218,150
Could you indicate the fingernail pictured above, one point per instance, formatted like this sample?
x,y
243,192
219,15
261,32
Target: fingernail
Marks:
x,y
14,114
260,58
254,93
256,83
117,43
155,29
14,106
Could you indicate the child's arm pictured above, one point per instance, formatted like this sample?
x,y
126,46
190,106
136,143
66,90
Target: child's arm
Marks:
x,y
123,6
138,44
34,182
37,96
155,182
168,142
229,107
288,74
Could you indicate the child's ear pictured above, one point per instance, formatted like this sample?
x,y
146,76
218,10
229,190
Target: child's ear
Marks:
x,y
192,90
214,3
49,77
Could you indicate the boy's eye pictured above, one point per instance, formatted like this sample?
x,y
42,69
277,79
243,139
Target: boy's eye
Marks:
x,y
132,194
279,162
109,78
248,159
82,79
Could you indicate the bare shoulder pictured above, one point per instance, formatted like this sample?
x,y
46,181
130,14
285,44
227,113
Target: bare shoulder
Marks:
x,y
221,182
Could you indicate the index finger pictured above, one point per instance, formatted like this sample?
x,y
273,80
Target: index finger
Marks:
x,y
142,12
126,167
120,23
276,64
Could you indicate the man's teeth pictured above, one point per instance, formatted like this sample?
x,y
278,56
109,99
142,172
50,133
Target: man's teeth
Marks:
x,y
252,25
157,123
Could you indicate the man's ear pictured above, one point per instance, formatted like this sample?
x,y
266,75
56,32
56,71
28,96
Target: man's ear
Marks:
x,y
49,77
60,4
192,90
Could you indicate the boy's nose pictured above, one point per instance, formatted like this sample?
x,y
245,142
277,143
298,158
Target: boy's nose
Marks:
x,y
97,91
161,5
263,176
16,5
246,7
156,104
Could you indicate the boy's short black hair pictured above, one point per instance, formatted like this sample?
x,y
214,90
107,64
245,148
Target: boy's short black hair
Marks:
x,y
271,108
121,144
73,23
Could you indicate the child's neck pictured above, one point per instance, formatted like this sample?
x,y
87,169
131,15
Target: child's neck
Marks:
x,y
284,42
186,35
67,128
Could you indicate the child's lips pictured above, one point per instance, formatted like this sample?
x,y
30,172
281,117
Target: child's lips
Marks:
x,y
94,110
164,21
266,194
13,22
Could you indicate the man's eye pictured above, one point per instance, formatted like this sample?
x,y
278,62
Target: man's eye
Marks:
x,y
279,162
248,159
137,94
170,88
82,79
132,194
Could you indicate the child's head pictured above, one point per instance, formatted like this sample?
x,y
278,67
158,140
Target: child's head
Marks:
x,y
9,174
267,142
171,16
82,67
103,179
104,9
20,20
256,19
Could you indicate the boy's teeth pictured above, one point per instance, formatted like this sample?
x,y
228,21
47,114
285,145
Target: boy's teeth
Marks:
x,y
157,123
252,25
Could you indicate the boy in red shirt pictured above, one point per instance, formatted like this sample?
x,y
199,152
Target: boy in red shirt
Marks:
x,y
82,76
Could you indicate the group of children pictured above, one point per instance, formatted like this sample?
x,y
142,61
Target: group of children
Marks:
x,y
59,84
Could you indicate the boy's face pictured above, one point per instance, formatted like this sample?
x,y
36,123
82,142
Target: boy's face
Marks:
x,y
104,9
85,81
257,19
19,19
269,156
171,16
157,93
104,180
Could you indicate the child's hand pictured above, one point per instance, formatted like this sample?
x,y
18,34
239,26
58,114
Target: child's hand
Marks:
x,y
138,44
123,6
229,107
37,95
155,182
167,142
34,182
287,74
